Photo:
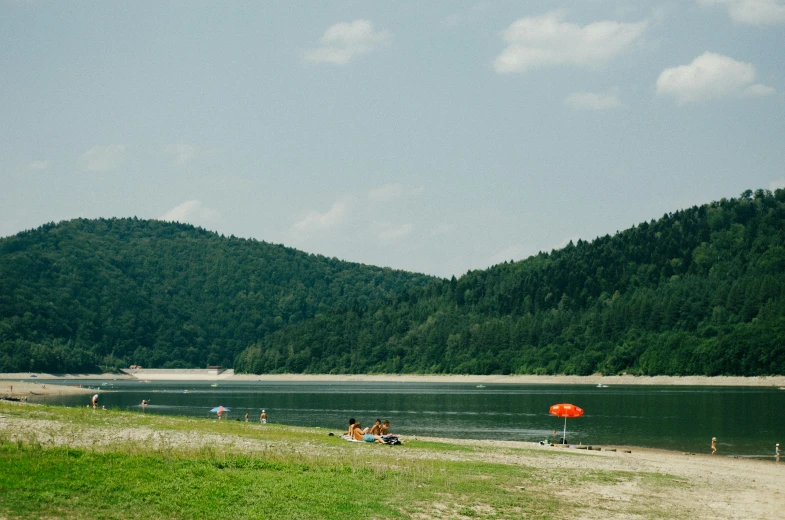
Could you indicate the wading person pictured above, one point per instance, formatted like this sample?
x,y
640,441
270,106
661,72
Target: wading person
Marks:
x,y
263,417
713,445
777,452
246,416
95,401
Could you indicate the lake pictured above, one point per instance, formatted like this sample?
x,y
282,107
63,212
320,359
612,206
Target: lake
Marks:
x,y
747,421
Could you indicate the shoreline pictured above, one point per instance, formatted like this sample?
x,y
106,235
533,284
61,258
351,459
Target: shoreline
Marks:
x,y
200,375
612,484
25,389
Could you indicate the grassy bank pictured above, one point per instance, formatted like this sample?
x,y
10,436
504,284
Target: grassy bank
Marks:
x,y
76,463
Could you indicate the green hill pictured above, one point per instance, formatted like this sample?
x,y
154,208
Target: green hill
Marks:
x,y
698,291
106,293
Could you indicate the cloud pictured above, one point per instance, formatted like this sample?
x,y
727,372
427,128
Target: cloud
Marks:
x,y
542,41
391,233
591,101
386,192
190,210
513,252
442,229
346,40
752,12
466,16
103,158
183,152
37,166
315,221
777,184
710,76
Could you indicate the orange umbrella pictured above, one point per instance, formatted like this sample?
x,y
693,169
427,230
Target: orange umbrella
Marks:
x,y
566,410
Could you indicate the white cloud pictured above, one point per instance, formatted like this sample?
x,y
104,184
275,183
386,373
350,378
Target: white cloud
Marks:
x,y
346,40
190,210
103,158
513,252
591,101
442,229
315,221
392,233
710,76
182,151
777,184
758,90
386,192
752,12
541,41
37,166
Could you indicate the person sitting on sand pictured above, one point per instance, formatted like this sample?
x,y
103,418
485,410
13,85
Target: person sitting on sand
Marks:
x,y
713,445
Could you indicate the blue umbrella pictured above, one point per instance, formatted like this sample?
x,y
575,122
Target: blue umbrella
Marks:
x,y
220,409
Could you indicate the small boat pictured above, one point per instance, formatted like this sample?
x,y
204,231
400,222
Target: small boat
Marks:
x,y
602,386
214,385
480,386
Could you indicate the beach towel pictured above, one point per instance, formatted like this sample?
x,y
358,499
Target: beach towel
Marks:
x,y
347,438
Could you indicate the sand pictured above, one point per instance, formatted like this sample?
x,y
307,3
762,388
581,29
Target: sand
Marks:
x,y
229,375
21,389
698,486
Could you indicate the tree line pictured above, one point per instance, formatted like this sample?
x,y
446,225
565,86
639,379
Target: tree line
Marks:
x,y
697,291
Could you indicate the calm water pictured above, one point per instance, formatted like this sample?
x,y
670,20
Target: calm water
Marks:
x,y
746,421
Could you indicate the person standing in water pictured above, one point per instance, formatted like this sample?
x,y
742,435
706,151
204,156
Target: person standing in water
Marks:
x,y
246,416
713,445
95,401
777,452
263,417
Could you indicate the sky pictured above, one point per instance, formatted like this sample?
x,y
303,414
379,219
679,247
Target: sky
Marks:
x,y
436,137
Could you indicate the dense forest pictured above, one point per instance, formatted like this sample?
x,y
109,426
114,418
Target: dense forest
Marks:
x,y
698,291
86,295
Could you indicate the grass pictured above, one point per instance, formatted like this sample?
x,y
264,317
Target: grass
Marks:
x,y
76,463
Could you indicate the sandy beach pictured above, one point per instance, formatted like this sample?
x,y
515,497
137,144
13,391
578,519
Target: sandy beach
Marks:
x,y
698,486
17,389
229,375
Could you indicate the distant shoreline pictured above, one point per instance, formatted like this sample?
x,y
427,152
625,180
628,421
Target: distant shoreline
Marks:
x,y
200,375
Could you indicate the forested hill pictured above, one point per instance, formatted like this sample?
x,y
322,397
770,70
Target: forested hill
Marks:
x,y
86,295
699,291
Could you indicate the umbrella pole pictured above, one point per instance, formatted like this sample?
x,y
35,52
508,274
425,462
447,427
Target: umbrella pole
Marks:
x,y
564,438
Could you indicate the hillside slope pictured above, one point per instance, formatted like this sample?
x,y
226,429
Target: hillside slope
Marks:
x,y
112,292
699,291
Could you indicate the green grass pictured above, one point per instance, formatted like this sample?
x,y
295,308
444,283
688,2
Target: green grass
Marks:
x,y
270,471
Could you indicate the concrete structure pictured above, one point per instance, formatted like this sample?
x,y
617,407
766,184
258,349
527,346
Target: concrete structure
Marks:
x,y
181,374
